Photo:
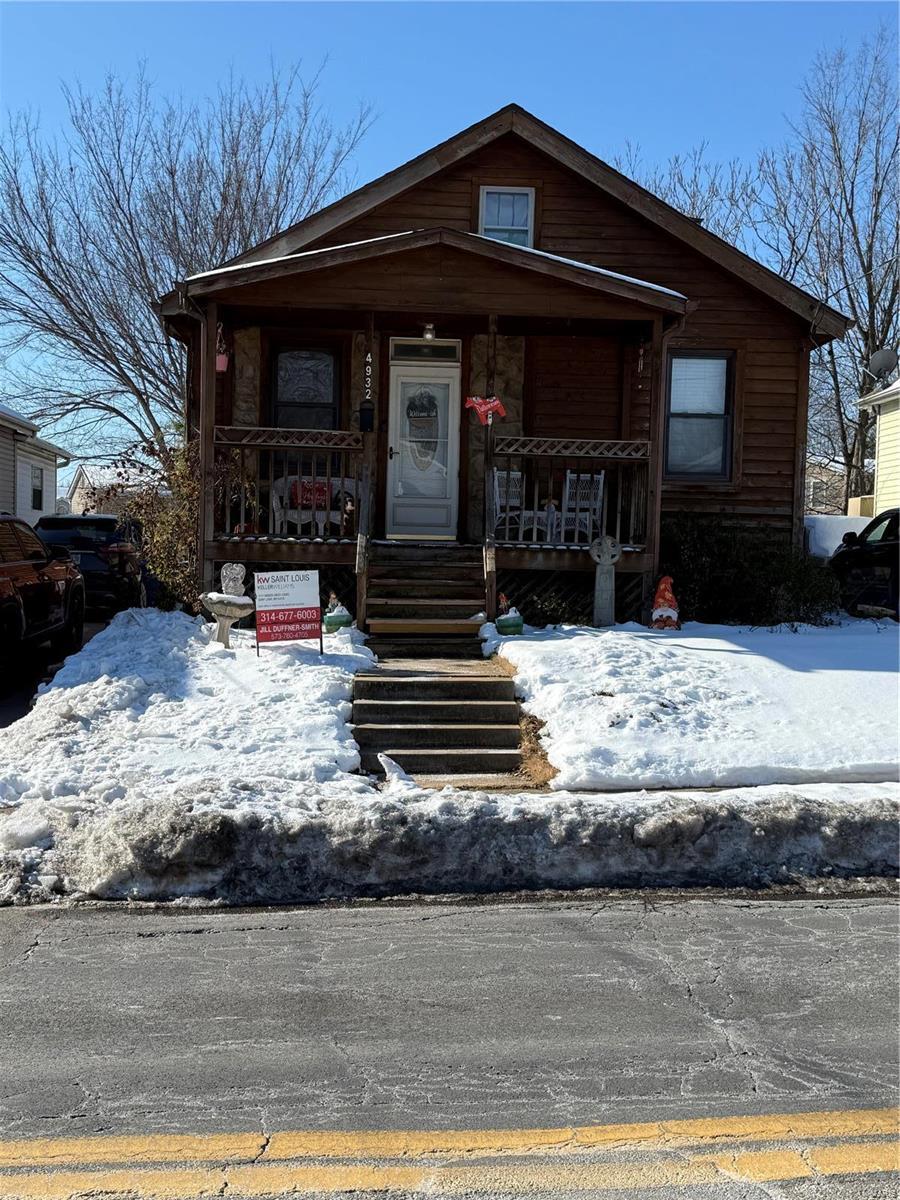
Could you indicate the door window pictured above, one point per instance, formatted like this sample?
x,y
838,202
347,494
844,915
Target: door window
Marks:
x,y
424,409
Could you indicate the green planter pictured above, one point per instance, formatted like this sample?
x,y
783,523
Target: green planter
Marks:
x,y
509,624
337,620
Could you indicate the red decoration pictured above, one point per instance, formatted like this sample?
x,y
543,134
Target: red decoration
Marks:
x,y
306,494
486,406
665,606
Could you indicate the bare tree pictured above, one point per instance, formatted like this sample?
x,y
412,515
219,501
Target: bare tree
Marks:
x,y
822,210
827,214
141,192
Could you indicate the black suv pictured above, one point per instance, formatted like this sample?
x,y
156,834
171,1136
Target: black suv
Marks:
x,y
867,566
107,552
41,592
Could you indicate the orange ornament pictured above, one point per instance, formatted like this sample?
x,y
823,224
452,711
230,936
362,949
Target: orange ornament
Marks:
x,y
665,606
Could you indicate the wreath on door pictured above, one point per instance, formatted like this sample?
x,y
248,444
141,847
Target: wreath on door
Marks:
x,y
423,423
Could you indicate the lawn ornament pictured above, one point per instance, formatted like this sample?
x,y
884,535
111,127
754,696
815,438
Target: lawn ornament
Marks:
x,y
605,552
509,620
230,604
336,616
665,606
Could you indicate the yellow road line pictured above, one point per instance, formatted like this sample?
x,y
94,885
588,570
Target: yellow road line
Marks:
x,y
246,1147
515,1177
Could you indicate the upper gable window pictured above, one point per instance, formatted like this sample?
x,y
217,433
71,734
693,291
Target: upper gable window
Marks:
x,y
507,214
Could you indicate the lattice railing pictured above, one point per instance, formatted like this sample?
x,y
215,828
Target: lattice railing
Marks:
x,y
572,448
288,482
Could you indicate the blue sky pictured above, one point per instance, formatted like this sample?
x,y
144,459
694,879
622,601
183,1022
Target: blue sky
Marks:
x,y
664,75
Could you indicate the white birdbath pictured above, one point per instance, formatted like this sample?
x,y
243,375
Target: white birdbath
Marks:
x,y
229,605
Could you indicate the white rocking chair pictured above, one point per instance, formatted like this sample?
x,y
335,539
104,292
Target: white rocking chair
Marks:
x,y
582,505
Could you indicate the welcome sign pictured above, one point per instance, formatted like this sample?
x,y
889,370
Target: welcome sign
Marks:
x,y
288,606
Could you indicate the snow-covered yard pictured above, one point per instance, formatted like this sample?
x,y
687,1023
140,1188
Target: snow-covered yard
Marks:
x,y
159,765
711,706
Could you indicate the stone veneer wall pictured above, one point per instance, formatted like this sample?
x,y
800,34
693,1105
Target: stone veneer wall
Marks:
x,y
246,404
509,385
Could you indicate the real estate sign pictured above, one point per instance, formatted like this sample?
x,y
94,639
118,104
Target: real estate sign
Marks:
x,y
288,606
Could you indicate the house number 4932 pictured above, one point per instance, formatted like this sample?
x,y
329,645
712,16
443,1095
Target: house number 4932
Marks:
x,y
367,389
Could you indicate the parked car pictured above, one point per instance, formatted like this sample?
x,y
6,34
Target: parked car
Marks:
x,y
106,550
42,594
867,566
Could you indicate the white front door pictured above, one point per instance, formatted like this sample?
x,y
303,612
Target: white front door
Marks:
x,y
423,453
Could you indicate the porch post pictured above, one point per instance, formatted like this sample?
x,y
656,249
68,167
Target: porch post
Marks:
x,y
206,521
657,445
490,517
367,478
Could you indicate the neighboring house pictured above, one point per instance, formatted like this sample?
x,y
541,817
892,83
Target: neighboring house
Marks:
x,y
886,405
825,484
646,367
28,467
106,489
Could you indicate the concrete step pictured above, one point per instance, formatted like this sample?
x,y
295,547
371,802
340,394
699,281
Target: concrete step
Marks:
x,y
445,762
419,609
417,711
437,737
428,626
425,647
496,688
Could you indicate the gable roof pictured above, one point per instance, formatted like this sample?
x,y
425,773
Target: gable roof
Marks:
x,y
526,258
514,119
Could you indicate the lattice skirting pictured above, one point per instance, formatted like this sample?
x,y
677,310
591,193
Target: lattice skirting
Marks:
x,y
550,597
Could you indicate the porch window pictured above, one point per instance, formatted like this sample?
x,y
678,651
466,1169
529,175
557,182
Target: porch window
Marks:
x,y
307,392
698,425
507,215
37,488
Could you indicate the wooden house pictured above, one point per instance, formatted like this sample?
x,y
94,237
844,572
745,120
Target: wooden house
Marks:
x,y
645,367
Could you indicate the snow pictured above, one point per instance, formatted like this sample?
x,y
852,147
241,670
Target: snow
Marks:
x,y
710,706
160,766
152,704
408,839
825,532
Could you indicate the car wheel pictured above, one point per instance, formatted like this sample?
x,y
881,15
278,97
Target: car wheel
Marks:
x,y
71,636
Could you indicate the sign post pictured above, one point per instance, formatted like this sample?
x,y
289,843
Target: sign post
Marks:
x,y
288,607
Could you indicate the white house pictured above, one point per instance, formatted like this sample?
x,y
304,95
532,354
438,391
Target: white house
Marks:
x,y
28,467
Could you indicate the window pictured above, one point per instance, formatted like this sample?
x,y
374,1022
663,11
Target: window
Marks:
x,y
882,529
507,215
698,426
37,488
307,392
32,546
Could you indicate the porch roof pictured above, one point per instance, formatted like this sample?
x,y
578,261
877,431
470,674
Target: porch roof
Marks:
x,y
565,270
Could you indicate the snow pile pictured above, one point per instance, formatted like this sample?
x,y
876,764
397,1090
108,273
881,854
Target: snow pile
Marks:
x,y
824,533
710,706
412,840
151,704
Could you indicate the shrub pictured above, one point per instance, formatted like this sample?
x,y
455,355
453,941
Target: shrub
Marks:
x,y
728,574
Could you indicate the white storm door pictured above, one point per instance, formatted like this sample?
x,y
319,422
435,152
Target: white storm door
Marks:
x,y
423,451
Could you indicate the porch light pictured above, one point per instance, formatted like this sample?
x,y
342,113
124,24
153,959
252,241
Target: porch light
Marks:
x,y
428,333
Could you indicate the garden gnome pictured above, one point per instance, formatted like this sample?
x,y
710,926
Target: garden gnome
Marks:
x,y
665,606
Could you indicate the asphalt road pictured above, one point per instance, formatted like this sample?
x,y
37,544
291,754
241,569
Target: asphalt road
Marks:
x,y
548,1017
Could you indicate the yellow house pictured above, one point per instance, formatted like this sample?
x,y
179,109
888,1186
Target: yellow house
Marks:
x,y
886,404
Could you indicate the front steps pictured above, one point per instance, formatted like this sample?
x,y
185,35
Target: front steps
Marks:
x,y
421,598
437,724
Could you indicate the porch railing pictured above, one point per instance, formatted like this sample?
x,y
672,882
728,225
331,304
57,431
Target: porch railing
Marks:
x,y
567,491
303,483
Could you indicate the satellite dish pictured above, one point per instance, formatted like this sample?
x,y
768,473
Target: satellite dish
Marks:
x,y
882,363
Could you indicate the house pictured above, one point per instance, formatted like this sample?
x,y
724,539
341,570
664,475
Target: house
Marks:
x,y
342,376
886,405
826,486
28,467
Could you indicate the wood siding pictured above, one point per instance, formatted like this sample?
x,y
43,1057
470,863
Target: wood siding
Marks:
x,y
573,387
575,219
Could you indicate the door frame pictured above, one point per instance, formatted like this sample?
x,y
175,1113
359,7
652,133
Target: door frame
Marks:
x,y
427,369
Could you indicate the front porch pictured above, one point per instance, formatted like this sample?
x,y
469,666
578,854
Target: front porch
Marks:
x,y
332,410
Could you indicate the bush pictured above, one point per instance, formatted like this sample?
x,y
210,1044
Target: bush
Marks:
x,y
726,574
